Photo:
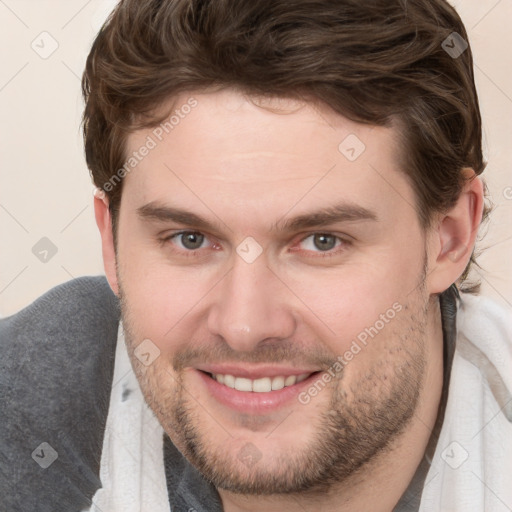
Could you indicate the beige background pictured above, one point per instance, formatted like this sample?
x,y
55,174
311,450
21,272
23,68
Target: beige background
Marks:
x,y
45,186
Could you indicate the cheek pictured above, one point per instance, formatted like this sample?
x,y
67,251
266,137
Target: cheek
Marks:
x,y
343,302
169,302
162,301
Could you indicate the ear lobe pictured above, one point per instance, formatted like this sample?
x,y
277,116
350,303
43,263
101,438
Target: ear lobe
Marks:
x,y
104,223
455,235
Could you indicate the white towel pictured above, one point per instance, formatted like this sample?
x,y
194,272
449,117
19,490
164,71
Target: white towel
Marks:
x,y
471,469
132,461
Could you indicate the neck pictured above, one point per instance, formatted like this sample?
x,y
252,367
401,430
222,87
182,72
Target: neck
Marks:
x,y
380,484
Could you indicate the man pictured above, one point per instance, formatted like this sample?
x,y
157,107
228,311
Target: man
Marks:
x,y
288,200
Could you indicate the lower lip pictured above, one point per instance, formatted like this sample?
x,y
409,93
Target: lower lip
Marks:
x,y
252,402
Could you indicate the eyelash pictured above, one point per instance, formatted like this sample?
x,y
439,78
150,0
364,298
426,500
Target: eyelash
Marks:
x,y
322,254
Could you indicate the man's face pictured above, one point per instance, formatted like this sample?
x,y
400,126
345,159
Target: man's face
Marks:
x,y
336,312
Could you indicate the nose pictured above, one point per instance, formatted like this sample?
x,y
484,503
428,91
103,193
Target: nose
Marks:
x,y
251,305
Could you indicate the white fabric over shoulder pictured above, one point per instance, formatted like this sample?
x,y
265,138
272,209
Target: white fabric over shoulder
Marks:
x,y
471,469
132,461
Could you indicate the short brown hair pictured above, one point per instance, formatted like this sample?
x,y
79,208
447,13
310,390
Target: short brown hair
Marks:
x,y
372,61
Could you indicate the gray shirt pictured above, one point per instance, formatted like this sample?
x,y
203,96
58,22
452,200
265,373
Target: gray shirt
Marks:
x,y
56,369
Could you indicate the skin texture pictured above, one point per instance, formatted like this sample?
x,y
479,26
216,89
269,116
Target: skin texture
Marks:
x,y
356,444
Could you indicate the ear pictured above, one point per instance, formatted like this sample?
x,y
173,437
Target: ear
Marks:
x,y
104,223
454,237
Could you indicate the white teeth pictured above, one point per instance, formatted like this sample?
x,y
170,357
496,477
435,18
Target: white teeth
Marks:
x,y
229,381
277,383
242,384
262,385
290,381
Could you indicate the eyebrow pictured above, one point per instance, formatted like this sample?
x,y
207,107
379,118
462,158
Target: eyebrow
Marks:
x,y
342,212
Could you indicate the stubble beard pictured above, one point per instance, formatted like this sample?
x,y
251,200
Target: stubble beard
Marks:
x,y
360,423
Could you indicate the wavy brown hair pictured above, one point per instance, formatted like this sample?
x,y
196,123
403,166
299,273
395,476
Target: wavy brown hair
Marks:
x,y
373,61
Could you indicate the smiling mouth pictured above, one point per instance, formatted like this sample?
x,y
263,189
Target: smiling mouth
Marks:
x,y
261,385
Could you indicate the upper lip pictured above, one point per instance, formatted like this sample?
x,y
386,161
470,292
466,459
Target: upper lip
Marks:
x,y
254,372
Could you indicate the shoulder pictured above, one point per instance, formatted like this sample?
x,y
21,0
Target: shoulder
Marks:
x,y
56,366
484,348
474,447
487,325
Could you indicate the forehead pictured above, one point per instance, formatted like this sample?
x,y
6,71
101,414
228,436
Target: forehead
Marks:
x,y
225,152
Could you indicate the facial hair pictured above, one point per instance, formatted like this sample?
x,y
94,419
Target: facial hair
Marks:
x,y
361,421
